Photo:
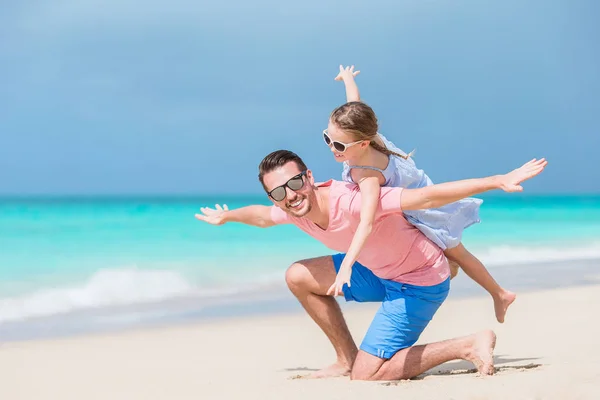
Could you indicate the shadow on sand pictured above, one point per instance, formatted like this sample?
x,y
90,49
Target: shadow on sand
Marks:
x,y
450,368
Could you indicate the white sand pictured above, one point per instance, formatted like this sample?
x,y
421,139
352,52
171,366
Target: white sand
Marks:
x,y
549,348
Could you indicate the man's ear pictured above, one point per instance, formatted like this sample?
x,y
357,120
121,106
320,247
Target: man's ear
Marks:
x,y
310,177
270,198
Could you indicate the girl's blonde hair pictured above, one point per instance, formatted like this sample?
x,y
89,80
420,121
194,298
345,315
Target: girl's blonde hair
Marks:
x,y
359,120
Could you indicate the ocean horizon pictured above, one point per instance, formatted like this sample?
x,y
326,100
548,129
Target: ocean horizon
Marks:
x,y
136,258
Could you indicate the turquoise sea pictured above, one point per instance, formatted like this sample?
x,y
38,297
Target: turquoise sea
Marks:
x,y
138,259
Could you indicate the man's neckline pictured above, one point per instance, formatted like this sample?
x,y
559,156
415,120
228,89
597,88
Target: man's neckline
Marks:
x,y
326,198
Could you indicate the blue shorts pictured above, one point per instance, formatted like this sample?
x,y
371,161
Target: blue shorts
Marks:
x,y
404,313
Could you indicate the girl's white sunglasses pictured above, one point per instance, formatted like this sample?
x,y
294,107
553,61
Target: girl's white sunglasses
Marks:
x,y
338,146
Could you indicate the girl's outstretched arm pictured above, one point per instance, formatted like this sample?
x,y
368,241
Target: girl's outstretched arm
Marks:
x,y
347,75
435,196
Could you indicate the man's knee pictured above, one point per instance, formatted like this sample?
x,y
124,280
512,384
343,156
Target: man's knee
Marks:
x,y
314,275
366,367
360,374
297,276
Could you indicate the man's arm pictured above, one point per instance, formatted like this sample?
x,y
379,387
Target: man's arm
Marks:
x,y
256,215
445,193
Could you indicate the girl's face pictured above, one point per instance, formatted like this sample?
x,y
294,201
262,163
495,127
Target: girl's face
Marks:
x,y
343,146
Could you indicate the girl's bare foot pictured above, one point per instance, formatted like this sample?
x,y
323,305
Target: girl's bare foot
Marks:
x,y
501,304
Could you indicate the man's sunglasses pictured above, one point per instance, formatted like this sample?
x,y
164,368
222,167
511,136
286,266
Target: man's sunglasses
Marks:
x,y
338,146
295,183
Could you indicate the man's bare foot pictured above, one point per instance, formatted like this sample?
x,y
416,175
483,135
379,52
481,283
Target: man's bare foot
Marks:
x,y
334,370
481,352
501,304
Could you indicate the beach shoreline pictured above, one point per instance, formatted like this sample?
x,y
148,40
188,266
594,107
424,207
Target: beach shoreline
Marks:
x,y
277,300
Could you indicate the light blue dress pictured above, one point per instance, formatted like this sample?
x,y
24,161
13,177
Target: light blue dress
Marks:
x,y
444,225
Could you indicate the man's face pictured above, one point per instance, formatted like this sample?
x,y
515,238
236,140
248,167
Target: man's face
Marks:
x,y
290,189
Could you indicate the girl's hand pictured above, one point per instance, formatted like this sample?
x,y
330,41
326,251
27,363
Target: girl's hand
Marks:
x,y
511,182
343,277
346,73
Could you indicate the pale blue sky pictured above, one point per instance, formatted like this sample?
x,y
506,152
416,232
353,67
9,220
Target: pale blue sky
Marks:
x,y
122,96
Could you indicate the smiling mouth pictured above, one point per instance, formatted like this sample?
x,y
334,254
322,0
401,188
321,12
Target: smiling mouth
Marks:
x,y
296,203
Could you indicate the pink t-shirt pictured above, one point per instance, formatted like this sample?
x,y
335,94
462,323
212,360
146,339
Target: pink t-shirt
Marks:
x,y
395,250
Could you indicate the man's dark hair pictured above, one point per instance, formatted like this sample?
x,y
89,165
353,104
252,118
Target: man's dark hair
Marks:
x,y
276,160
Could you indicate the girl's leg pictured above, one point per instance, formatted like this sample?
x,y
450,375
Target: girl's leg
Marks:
x,y
477,271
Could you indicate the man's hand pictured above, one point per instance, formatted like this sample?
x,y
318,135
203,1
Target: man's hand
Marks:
x,y
511,182
255,215
346,73
212,216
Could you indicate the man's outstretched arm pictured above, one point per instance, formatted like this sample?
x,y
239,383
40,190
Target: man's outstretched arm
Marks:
x,y
256,215
445,193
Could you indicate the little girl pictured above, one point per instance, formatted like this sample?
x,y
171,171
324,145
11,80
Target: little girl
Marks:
x,y
372,161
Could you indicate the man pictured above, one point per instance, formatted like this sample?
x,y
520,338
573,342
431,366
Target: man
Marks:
x,y
398,265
